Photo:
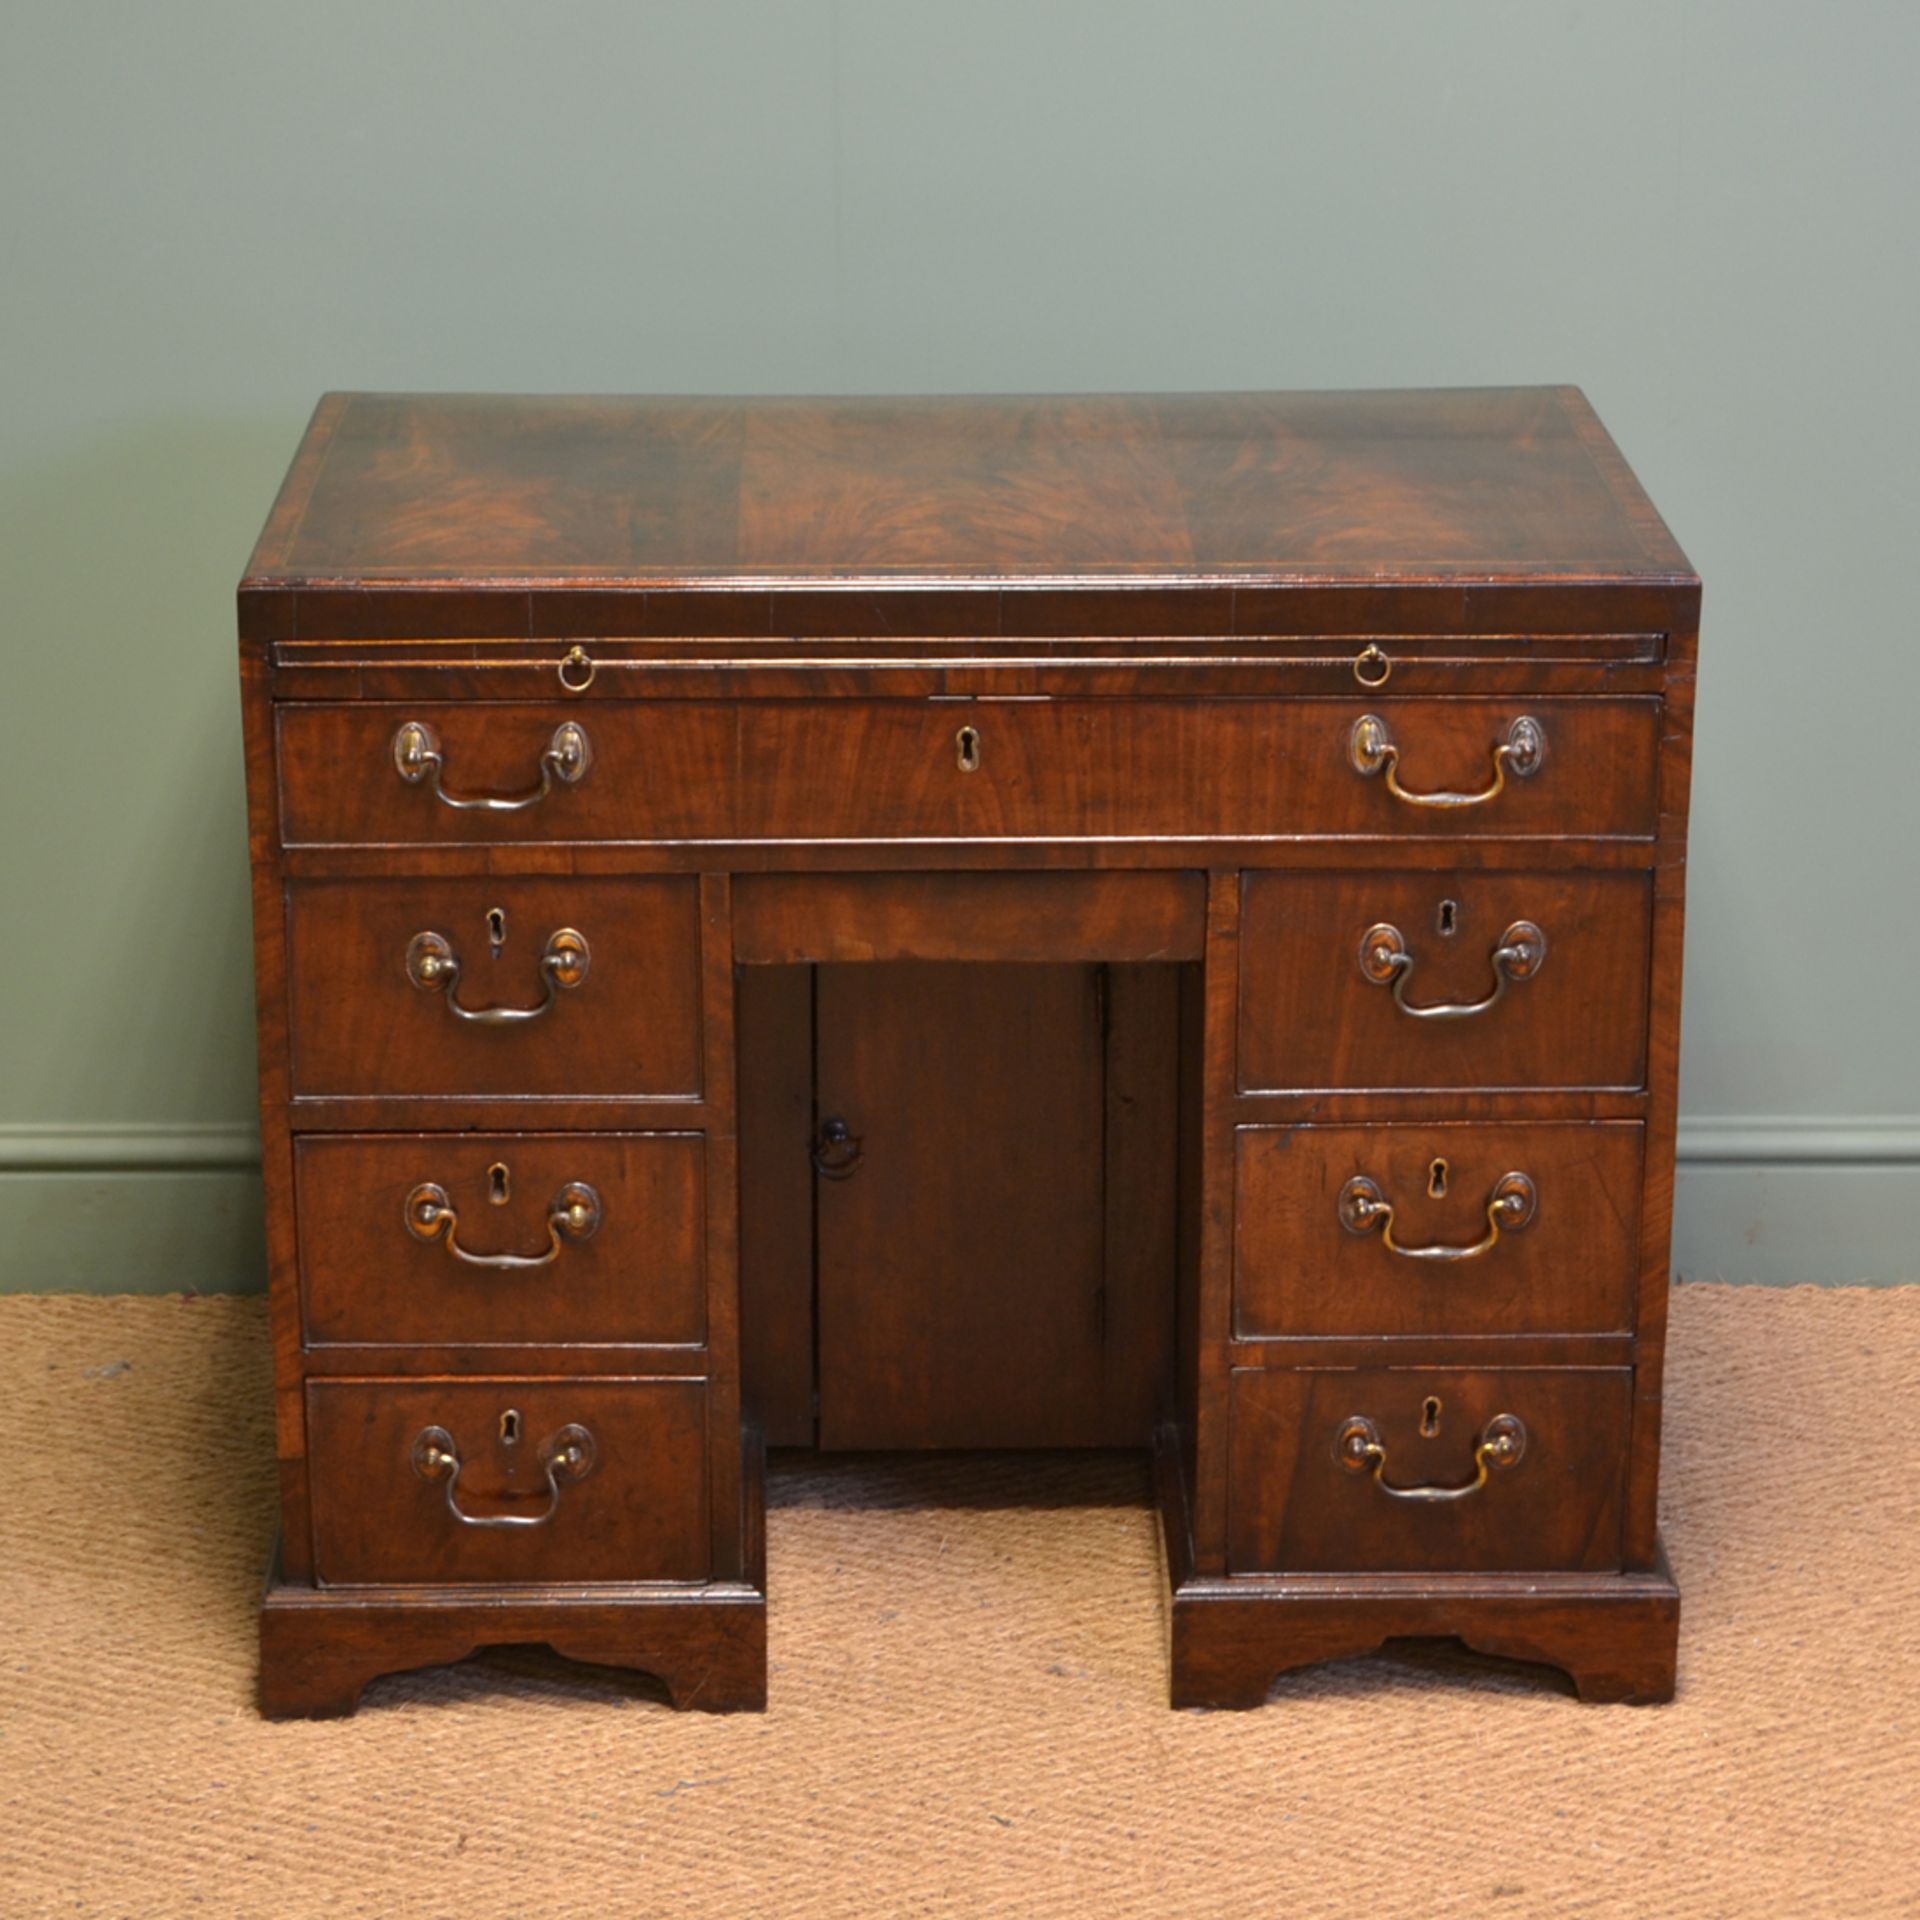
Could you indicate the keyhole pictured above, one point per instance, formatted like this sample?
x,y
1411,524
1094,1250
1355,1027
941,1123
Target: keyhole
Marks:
x,y
510,1425
499,1184
496,929
1429,1417
1449,915
967,745
1437,1180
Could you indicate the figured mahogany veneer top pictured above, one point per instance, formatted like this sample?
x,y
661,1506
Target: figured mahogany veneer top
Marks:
x,y
906,498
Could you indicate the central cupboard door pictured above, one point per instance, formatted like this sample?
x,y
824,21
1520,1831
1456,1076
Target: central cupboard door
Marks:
x,y
995,1266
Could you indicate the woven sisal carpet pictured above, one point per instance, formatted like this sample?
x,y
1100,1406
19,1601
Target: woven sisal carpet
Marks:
x,y
968,1687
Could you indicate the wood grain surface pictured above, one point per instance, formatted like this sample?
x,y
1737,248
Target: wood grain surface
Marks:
x,y
977,774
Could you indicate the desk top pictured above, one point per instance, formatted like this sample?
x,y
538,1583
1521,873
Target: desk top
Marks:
x,y
903,510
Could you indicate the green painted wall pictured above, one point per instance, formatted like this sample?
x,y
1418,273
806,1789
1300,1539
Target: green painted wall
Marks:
x,y
209,211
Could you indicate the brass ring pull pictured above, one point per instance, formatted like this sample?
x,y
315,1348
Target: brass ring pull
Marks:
x,y
574,1215
580,662
569,1455
417,757
836,1150
1371,750
434,967
1358,1447
1387,960
1510,1206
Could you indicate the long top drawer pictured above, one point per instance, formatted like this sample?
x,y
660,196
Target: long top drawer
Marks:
x,y
1519,766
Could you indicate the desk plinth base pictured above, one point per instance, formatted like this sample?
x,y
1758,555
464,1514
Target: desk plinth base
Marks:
x,y
1614,1634
319,1646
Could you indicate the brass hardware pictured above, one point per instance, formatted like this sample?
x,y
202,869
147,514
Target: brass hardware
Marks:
x,y
499,1184
1386,960
1371,750
836,1150
434,967
510,1427
1447,919
1437,1179
1511,1204
577,658
573,1215
1371,666
967,749
569,1455
1430,1417
1358,1447
417,757
496,929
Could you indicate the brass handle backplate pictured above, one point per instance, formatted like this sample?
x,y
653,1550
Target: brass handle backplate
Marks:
x,y
569,1455
417,758
1510,1205
574,1215
1359,1448
1387,960
434,967
1371,750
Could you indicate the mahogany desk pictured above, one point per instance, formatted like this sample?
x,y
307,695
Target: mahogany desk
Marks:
x,y
1129,921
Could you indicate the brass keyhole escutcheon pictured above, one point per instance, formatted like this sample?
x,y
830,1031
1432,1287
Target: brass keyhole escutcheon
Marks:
x,y
967,749
510,1427
1430,1417
496,929
1437,1180
499,1184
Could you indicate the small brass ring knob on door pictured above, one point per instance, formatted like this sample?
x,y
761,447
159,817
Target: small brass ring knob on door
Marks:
x,y
836,1150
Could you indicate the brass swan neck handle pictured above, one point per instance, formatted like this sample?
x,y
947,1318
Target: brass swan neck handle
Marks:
x,y
1359,1448
419,760
574,1215
1371,749
569,1455
1387,960
434,967
1510,1205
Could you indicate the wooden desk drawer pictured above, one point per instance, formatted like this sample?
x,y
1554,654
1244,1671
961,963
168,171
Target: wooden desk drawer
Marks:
x,y
1302,1496
401,1235
366,773
638,1513
1341,974
956,770
1301,1268
367,1021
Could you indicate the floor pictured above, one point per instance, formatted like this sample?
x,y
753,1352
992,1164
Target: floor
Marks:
x,y
968,1686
